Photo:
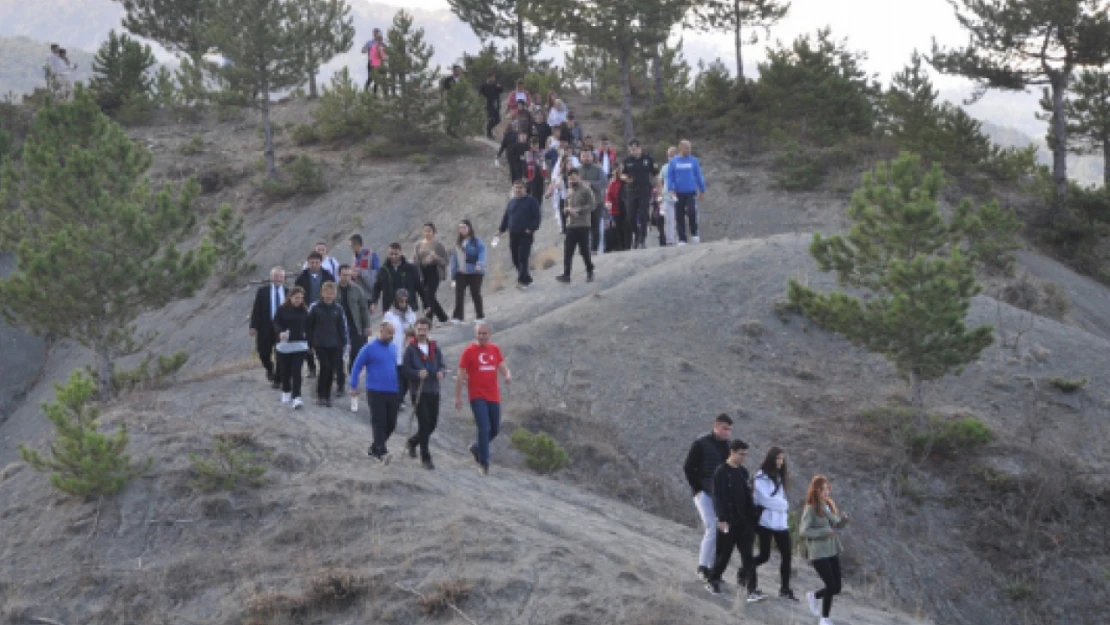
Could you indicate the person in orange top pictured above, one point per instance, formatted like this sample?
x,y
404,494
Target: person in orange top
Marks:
x,y
479,366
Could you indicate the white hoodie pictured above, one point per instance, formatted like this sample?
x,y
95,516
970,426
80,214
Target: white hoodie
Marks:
x,y
776,506
401,321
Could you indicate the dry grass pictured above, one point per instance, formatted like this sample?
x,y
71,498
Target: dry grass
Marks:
x,y
10,470
214,373
330,590
444,596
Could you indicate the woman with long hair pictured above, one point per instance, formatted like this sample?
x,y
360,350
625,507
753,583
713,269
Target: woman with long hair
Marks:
x,y
468,267
289,325
820,529
617,222
769,495
431,257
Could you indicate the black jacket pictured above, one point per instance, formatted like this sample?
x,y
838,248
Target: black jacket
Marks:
x,y
732,498
305,282
522,213
415,361
389,279
326,325
293,320
260,312
508,139
706,454
515,157
492,94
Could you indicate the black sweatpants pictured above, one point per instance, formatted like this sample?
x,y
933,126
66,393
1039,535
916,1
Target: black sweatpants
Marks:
x,y
595,229
521,248
427,417
331,366
493,114
639,213
577,238
742,542
535,187
289,372
782,542
686,207
383,418
464,281
430,274
622,235
828,569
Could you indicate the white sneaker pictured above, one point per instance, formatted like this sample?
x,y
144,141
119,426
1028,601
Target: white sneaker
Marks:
x,y
681,243
697,239
286,398
297,403
814,604
825,621
354,404
480,320
455,322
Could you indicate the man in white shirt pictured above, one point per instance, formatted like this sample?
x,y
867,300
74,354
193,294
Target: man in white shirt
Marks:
x,y
402,318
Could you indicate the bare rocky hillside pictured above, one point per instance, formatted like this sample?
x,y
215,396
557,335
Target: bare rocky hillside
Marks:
x,y
625,373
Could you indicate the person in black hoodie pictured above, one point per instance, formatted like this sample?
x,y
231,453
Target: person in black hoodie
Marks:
x,y
706,454
491,91
327,336
507,140
424,367
289,326
311,279
732,502
521,219
515,156
397,273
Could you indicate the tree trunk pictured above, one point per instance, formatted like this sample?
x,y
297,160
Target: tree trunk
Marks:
x,y
312,84
1106,164
626,96
103,372
268,134
657,76
1059,143
521,55
738,41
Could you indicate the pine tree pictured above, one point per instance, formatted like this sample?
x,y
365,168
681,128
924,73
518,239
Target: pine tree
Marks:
x,y
464,111
331,31
411,116
908,260
1088,113
911,115
263,42
503,19
95,243
121,72
1016,44
225,232
736,15
82,461
345,111
180,26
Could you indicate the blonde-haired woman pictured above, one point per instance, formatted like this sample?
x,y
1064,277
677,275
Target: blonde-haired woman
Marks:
x,y
820,529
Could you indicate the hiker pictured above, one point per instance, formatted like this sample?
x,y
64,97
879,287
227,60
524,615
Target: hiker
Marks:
x,y
579,207
706,454
289,324
468,268
515,156
535,168
668,197
518,98
521,220
450,80
311,280
364,265
819,530
63,70
375,58
732,503
403,319
396,273
542,130
327,337
511,136
329,264
379,358
357,311
773,508
559,182
424,368
479,365
575,131
606,157
617,228
592,175
558,113
686,182
267,300
430,255
491,91
657,218
638,170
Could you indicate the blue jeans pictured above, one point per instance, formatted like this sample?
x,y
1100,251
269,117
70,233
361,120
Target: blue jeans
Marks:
x,y
487,416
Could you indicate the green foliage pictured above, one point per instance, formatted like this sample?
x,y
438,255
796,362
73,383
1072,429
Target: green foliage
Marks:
x,y
195,145
990,234
801,168
81,190
1091,205
82,461
230,464
735,15
121,74
181,26
345,111
1018,591
226,235
502,62
150,374
419,159
1088,114
907,259
503,19
330,31
1066,385
164,93
464,111
934,434
412,116
305,134
542,453
301,177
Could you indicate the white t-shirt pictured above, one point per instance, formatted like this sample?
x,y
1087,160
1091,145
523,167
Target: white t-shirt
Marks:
x,y
401,322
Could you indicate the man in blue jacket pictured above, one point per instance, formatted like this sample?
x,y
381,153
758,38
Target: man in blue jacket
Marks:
x,y
522,219
684,179
379,358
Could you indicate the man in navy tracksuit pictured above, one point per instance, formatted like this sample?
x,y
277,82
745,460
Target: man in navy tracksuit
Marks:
x,y
379,358
521,219
684,179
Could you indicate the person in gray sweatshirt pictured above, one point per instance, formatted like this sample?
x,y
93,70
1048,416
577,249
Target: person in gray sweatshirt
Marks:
x,y
424,367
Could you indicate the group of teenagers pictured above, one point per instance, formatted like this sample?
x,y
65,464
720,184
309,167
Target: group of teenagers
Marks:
x,y
326,315
736,509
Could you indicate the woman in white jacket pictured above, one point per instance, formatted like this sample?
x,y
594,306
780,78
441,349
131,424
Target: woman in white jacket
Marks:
x,y
769,495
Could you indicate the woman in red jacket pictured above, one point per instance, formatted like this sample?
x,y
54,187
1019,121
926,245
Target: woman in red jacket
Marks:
x,y
617,224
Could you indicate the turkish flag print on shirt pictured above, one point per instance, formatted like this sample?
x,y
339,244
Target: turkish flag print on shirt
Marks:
x,y
480,363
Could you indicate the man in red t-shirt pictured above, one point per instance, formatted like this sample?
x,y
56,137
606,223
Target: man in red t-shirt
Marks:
x,y
479,365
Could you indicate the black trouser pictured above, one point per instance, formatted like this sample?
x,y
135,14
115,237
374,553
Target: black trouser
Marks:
x,y
264,341
521,247
577,238
562,215
331,365
660,223
427,417
383,418
622,233
686,206
516,170
639,214
493,113
357,343
402,383
310,360
430,273
782,541
742,542
535,187
595,229
473,281
289,372
829,571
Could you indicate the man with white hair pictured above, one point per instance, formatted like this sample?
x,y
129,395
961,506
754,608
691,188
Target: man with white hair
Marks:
x,y
686,181
267,300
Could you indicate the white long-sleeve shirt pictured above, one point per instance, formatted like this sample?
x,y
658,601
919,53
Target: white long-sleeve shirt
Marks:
x,y
776,505
401,321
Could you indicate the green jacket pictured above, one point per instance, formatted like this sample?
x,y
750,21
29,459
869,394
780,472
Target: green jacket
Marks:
x,y
817,532
360,309
582,200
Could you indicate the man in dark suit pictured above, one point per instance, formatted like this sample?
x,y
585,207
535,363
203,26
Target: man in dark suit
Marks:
x,y
266,303
311,279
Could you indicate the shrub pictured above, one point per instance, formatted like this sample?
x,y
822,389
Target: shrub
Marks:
x,y
799,169
120,74
225,231
344,109
82,461
230,464
305,134
301,177
446,595
419,158
938,435
542,453
195,145
150,374
1066,385
464,111
990,233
